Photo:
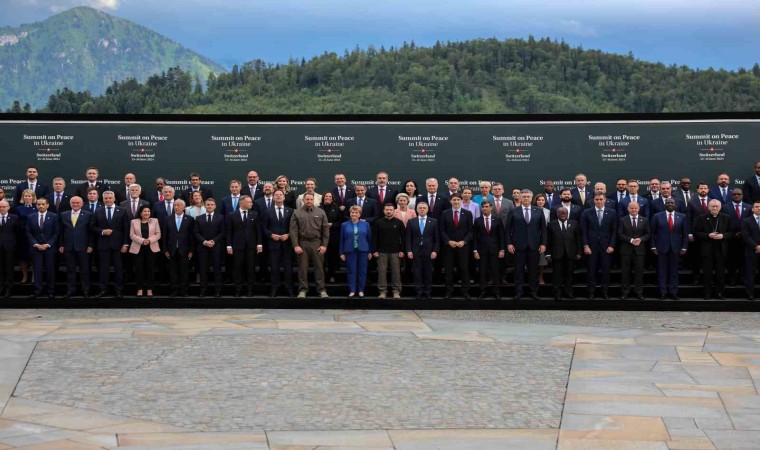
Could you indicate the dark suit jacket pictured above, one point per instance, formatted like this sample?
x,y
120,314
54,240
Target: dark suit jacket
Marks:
x,y
729,209
347,195
119,225
370,208
678,193
493,241
206,192
65,203
526,236
552,200
449,232
665,240
49,232
151,197
225,207
595,236
9,234
694,210
705,225
440,205
270,225
751,190
238,233
390,195
79,237
426,243
657,206
622,207
573,214
246,190
577,196
565,244
625,233
614,196
159,211
127,206
715,193
121,194
86,206
81,190
210,231
180,240
260,205
40,190
648,195
750,235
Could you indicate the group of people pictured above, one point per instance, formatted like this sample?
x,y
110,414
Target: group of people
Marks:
x,y
407,235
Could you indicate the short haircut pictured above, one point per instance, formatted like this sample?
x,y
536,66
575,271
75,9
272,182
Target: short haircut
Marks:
x,y
108,192
355,208
235,182
526,191
135,185
42,199
92,188
496,183
210,199
565,189
599,194
312,179
169,188
243,197
92,168
485,202
31,167
179,201
430,180
455,195
194,174
360,185
702,183
309,194
59,179
484,184
400,196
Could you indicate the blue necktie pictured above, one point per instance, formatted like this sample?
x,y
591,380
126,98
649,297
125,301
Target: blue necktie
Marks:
x,y
422,226
179,222
109,214
234,203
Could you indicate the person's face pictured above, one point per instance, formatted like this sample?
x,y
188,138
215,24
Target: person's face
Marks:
x,y
279,197
702,190
736,195
456,202
714,208
246,203
666,190
599,201
168,193
756,209
467,195
565,196
723,180
498,191
196,198
621,185
757,169
670,205
327,199
58,185
340,180
484,191
281,183
109,199
654,185
210,206
633,208
685,184
42,205
355,215
580,181
388,211
308,201
422,209
548,186
2,194
92,175
4,207
485,209
526,198
402,202
129,179
562,214
360,191
268,189
145,214
540,202
160,184
431,186
516,194
134,191
179,208
253,178
27,198
235,189
633,188
76,203
410,188
599,188
31,173
453,185
92,196
195,182
310,186
382,179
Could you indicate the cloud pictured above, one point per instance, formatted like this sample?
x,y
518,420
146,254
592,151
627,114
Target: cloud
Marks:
x,y
574,27
57,6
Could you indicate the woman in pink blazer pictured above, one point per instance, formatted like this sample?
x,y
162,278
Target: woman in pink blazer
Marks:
x,y
145,233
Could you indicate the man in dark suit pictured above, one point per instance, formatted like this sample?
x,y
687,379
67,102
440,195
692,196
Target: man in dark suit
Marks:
x,y
164,208
11,206
696,208
633,196
92,203
736,210
455,227
633,235
157,196
573,211
341,192
9,229
713,231
599,236
683,191
210,229
552,195
265,200
751,236
563,249
721,191
422,246
381,192
177,239
195,185
621,191
370,207
58,199
658,206
122,192
275,226
32,182
110,225
670,240
231,203
253,188
243,243
436,202
42,231
653,191
134,202
489,247
92,181
76,245
452,187
526,238
609,202
581,193
751,187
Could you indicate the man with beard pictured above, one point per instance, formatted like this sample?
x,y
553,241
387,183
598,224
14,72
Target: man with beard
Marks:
x,y
573,211
721,191
670,239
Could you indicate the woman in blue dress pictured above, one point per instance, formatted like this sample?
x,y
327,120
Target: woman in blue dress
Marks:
x,y
27,207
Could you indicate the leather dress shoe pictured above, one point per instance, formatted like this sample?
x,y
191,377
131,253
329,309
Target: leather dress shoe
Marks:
x,y
467,296
100,294
675,297
662,297
497,296
32,296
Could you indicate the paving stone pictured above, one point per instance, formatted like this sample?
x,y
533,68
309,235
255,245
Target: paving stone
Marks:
x,y
743,421
627,428
473,439
679,423
734,439
355,438
598,444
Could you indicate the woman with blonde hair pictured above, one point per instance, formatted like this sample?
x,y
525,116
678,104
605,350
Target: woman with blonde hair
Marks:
x,y
282,183
355,248
403,211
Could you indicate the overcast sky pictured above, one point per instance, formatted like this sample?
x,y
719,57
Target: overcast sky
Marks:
x,y
697,33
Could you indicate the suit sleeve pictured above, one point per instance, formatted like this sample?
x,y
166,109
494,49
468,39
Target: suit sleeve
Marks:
x,y
621,231
584,230
408,237
508,229
685,234
54,238
613,234
468,233
542,224
747,234
436,240
443,229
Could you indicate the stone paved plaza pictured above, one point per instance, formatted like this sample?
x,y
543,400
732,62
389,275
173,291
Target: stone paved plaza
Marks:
x,y
330,379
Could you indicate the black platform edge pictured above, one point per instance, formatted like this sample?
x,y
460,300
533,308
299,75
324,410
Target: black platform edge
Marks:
x,y
408,303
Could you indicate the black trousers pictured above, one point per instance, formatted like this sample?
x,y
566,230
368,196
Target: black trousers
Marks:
x,y
562,275
751,266
145,268
6,269
735,260
637,263
459,258
76,259
106,258
714,262
280,258
530,259
422,267
488,265
44,262
244,262
598,265
210,257
179,270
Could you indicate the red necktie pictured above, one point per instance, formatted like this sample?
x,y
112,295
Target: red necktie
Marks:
x,y
488,226
160,197
670,222
382,195
341,196
456,218
704,206
738,212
